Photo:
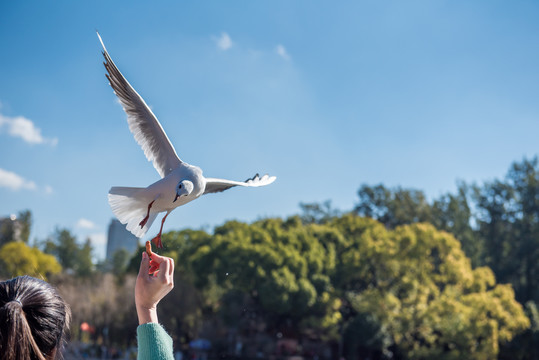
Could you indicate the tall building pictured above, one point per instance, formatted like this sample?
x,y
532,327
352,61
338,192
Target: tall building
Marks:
x,y
120,238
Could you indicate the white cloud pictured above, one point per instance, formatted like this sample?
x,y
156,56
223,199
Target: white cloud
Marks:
x,y
85,224
98,239
224,42
281,51
25,129
13,181
48,189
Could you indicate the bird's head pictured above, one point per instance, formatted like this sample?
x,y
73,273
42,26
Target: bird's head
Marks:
x,y
184,188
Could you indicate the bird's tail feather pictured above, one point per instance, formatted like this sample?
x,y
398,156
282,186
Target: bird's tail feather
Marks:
x,y
130,210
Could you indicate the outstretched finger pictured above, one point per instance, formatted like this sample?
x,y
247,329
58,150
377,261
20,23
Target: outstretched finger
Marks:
x,y
144,265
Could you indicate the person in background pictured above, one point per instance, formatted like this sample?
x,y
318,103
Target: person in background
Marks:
x,y
153,341
34,320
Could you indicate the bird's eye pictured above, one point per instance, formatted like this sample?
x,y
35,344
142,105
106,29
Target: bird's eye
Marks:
x,y
180,186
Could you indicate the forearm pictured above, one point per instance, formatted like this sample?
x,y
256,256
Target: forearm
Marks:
x,y
147,315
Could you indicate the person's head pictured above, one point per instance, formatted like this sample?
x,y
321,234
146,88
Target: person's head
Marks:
x,y
33,319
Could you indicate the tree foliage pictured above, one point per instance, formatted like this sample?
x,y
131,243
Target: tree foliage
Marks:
x,y
73,257
17,258
25,220
393,207
508,225
497,224
281,265
102,302
317,213
421,288
450,212
413,286
401,277
16,228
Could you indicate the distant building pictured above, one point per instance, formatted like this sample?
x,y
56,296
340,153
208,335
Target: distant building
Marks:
x,y
120,238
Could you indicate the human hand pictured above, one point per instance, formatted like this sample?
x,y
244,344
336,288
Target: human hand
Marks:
x,y
151,288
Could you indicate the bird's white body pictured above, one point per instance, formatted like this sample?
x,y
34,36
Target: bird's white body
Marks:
x,y
163,191
130,204
180,182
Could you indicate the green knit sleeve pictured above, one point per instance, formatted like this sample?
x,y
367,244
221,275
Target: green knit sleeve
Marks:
x,y
154,343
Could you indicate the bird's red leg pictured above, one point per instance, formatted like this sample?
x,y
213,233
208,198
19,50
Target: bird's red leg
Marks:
x,y
145,220
157,240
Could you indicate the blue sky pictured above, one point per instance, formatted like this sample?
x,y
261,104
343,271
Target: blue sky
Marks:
x,y
324,95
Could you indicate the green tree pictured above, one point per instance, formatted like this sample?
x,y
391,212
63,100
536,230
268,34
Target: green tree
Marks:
x,y
418,285
453,213
365,337
17,258
16,228
393,207
508,228
449,212
25,222
410,291
524,179
7,231
278,264
508,221
73,257
85,266
315,213
64,246
526,345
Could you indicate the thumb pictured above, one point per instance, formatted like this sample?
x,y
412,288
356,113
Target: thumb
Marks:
x,y
144,265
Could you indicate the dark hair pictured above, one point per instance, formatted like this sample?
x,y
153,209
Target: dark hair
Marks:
x,y
33,319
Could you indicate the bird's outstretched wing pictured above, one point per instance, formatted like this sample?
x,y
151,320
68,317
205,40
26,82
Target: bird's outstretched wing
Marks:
x,y
142,122
218,185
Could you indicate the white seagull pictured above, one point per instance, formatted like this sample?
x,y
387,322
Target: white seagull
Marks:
x,y
180,182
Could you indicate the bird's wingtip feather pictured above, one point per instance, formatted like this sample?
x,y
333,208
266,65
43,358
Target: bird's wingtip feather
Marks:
x,y
101,40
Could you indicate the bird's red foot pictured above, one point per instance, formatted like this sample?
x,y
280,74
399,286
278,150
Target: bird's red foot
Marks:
x,y
145,220
157,241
